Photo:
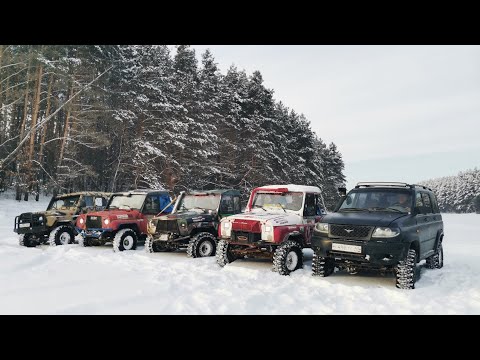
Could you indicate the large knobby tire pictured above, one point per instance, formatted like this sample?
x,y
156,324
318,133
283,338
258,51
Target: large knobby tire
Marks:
x,y
84,241
406,273
322,266
201,245
288,257
26,240
61,235
436,260
154,246
125,239
223,255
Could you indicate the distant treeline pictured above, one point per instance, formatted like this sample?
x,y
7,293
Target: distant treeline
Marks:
x,y
458,194
152,120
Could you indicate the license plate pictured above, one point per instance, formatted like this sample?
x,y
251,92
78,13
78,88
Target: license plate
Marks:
x,y
93,217
24,225
347,248
163,237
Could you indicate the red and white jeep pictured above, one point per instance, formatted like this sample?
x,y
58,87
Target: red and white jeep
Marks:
x,y
277,223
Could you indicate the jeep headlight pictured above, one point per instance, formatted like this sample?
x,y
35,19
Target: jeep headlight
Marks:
x,y
385,232
106,221
151,228
226,228
81,221
267,233
322,227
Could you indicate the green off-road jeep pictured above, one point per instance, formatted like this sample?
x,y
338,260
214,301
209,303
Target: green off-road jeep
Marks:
x,y
56,225
193,223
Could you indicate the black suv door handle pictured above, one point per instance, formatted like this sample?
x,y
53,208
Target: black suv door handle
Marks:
x,y
425,219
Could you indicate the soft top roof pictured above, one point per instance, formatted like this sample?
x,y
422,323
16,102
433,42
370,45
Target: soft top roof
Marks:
x,y
290,187
142,192
86,193
213,192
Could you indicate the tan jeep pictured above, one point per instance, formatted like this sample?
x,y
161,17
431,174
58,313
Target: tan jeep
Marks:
x,y
56,225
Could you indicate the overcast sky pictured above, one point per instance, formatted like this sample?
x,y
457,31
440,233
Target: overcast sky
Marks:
x,y
396,113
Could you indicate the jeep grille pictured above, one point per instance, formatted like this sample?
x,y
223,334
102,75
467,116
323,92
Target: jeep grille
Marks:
x,y
33,219
95,223
167,226
247,237
351,231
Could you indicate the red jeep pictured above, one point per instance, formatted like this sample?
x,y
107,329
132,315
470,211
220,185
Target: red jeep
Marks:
x,y
278,223
125,219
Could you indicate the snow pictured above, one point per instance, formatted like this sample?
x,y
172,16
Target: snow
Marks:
x,y
75,280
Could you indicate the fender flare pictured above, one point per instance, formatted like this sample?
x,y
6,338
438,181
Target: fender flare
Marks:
x,y
296,236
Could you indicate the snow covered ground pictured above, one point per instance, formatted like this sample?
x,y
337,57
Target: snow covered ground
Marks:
x,y
75,280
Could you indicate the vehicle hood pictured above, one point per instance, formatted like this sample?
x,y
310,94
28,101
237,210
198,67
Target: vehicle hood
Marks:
x,y
189,216
373,218
53,213
115,214
271,218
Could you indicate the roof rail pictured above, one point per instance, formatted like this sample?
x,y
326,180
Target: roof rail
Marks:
x,y
380,183
421,186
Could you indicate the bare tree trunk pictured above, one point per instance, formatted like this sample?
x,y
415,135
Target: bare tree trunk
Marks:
x,y
65,130
47,113
25,108
36,105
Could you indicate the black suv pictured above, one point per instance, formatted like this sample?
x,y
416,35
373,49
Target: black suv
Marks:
x,y
381,226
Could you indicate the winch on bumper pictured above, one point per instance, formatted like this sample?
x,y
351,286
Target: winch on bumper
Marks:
x,y
375,252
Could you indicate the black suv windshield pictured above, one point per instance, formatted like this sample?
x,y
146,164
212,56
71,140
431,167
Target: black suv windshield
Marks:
x,y
207,202
64,203
134,201
377,200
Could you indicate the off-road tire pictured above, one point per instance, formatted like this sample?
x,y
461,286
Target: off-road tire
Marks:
x,y
406,271
24,240
153,246
436,260
223,255
60,234
202,245
84,241
288,257
121,237
322,266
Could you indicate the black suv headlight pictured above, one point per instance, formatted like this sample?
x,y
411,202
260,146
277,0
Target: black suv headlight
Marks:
x,y
385,232
322,227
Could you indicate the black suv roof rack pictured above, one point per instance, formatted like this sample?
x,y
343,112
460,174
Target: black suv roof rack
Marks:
x,y
389,184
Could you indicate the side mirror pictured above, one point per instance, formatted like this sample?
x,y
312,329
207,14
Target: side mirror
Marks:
x,y
342,191
99,202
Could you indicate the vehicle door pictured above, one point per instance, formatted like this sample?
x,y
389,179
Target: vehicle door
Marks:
x,y
432,224
151,207
309,215
423,224
437,223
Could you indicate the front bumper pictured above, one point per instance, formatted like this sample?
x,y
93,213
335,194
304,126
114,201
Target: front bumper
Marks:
x,y
36,227
374,252
100,234
166,237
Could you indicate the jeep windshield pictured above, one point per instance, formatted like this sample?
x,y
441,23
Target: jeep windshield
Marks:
x,y
391,200
287,200
203,202
63,203
127,202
